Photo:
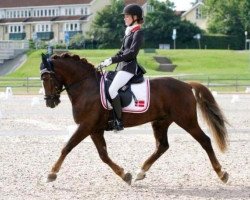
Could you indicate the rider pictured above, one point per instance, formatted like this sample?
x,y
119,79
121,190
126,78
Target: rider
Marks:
x,y
127,65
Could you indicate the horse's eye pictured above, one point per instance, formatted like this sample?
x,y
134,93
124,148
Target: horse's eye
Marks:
x,y
45,77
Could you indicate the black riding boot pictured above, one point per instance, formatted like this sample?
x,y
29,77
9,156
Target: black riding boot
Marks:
x,y
116,104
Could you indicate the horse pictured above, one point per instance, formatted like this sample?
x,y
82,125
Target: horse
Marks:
x,y
171,100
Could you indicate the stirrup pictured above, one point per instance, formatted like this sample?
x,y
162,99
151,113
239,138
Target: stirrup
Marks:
x,y
118,125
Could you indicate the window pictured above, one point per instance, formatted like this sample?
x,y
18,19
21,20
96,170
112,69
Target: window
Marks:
x,y
43,28
198,13
71,27
150,8
15,29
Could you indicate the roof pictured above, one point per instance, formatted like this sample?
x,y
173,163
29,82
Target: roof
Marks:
x,y
36,19
139,2
29,3
194,7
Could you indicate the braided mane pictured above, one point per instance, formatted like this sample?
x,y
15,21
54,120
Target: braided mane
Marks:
x,y
74,57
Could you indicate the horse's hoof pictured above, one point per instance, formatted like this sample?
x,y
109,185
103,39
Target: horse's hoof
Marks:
x,y
224,177
128,178
140,175
51,177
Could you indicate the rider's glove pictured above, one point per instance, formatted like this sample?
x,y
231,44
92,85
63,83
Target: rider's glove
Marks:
x,y
106,62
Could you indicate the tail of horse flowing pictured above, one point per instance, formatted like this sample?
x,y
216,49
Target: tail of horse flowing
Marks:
x,y
212,114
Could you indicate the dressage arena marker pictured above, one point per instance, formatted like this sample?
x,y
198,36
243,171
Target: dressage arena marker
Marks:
x,y
8,92
247,90
215,93
41,91
70,129
235,98
35,101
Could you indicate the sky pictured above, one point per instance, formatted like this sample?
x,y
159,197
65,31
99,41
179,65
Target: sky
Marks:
x,y
182,4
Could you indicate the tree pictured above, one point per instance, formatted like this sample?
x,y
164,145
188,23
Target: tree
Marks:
x,y
108,26
161,22
77,41
228,17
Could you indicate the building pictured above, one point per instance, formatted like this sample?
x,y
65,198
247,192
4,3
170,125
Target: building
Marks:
x,y
196,16
46,19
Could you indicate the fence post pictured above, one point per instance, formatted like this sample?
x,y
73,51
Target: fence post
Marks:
x,y
236,84
27,84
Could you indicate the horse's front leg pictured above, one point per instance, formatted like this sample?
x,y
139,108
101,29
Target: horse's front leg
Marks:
x,y
75,139
101,146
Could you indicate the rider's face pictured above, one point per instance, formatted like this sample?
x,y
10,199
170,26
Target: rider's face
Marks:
x,y
129,19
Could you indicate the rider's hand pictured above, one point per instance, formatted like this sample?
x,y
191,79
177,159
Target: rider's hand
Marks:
x,y
106,62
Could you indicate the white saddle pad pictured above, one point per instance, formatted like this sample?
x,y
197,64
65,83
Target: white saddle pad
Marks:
x,y
141,92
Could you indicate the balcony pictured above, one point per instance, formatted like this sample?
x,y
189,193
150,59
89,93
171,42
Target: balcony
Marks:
x,y
45,35
17,36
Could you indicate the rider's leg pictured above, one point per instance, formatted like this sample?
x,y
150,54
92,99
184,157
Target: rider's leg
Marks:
x,y
121,78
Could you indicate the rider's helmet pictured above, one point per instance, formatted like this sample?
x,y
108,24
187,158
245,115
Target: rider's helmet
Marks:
x,y
134,10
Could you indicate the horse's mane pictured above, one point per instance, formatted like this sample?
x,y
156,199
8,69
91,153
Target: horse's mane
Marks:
x,y
73,57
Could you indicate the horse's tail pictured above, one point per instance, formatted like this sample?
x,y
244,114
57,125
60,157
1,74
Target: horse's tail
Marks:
x,y
212,114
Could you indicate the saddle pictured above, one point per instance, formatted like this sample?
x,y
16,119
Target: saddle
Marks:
x,y
125,93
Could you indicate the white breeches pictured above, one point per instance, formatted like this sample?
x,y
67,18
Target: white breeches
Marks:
x,y
121,78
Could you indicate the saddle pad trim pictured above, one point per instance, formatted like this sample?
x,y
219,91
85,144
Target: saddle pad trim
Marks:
x,y
103,99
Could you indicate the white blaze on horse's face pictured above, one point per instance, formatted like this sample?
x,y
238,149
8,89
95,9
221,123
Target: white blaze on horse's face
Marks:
x,y
51,89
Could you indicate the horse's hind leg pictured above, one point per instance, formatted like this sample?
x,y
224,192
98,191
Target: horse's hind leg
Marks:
x,y
75,139
101,146
197,133
160,129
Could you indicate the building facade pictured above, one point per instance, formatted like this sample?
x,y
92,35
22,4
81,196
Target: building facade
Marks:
x,y
196,16
47,19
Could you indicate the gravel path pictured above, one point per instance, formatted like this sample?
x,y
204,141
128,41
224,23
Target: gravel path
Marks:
x,y
31,137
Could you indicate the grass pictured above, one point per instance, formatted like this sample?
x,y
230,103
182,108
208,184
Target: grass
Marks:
x,y
214,63
222,70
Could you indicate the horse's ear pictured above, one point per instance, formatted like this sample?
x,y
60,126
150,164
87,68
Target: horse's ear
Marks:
x,y
45,61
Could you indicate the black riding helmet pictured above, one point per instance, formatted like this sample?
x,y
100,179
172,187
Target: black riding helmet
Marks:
x,y
134,10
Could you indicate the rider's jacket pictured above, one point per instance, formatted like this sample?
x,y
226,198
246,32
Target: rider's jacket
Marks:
x,y
126,57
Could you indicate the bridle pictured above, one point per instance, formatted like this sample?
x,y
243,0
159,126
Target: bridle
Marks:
x,y
52,78
48,68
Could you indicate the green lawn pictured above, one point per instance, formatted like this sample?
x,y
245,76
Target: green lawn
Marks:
x,y
213,63
221,70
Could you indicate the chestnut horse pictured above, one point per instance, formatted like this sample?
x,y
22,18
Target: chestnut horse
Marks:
x,y
171,101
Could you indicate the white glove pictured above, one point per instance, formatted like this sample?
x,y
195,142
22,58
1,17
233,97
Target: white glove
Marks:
x,y
106,62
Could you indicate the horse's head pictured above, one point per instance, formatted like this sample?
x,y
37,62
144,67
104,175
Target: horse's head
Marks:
x,y
51,83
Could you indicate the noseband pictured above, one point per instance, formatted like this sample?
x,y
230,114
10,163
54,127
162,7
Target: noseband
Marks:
x,y
52,77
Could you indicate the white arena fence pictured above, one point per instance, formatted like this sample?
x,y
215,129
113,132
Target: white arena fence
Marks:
x,y
32,85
